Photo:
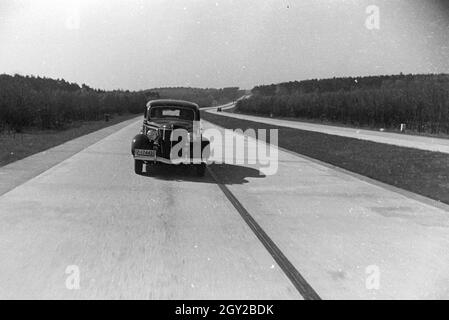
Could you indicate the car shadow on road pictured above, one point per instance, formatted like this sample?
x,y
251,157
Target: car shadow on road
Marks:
x,y
226,173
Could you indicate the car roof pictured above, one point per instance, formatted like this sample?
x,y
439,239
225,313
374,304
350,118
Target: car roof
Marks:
x,y
171,102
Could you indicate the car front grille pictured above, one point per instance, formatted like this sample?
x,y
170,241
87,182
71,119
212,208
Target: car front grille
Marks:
x,y
165,141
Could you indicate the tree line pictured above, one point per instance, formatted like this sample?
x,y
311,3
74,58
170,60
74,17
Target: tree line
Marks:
x,y
419,101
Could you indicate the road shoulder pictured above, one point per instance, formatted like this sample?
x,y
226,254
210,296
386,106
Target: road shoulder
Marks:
x,y
19,172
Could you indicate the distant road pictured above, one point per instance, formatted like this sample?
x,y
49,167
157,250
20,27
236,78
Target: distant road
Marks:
x,y
403,140
172,235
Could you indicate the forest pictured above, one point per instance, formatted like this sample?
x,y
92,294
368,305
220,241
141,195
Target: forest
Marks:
x,y
419,101
44,103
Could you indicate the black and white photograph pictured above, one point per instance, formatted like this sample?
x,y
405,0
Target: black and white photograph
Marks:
x,y
224,156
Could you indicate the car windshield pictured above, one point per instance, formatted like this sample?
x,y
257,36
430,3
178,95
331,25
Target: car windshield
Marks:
x,y
172,113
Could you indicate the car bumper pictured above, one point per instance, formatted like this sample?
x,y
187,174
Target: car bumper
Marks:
x,y
169,161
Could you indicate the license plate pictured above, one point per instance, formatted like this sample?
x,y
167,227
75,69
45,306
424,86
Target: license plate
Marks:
x,y
151,154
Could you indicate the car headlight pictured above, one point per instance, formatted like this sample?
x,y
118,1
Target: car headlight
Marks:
x,y
152,134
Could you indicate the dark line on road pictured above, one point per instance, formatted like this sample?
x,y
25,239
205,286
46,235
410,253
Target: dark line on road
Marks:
x,y
287,267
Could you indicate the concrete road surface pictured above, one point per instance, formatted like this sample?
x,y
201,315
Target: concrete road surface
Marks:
x,y
171,235
403,140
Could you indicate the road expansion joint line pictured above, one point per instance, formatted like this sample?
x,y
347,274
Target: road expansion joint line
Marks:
x,y
298,281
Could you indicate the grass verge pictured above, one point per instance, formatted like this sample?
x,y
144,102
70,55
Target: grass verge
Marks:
x,y
17,146
422,172
342,125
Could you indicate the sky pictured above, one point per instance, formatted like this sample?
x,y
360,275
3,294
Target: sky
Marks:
x,y
138,44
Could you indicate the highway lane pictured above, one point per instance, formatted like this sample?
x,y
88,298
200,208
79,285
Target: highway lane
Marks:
x,y
172,235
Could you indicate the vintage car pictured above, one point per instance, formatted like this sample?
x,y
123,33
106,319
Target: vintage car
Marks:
x,y
170,134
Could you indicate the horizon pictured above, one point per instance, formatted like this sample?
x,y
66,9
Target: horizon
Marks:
x,y
218,88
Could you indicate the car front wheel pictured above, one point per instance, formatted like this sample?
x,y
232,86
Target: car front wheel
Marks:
x,y
138,166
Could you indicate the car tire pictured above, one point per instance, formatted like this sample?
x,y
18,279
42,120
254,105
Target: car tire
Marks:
x,y
201,170
138,166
